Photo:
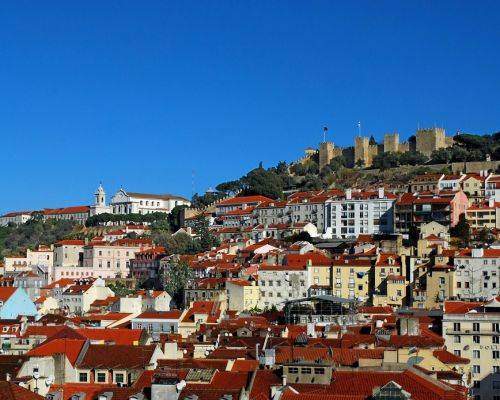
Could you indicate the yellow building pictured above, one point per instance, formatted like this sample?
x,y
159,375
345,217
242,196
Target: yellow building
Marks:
x,y
473,186
389,281
242,295
434,284
351,278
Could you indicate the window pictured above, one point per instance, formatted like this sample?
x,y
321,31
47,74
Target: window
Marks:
x,y
83,377
319,371
293,370
101,377
476,354
456,339
495,327
476,369
305,370
475,326
456,326
476,339
495,339
119,378
496,354
458,353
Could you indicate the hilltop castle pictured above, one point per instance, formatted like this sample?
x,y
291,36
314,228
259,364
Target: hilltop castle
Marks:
x,y
364,150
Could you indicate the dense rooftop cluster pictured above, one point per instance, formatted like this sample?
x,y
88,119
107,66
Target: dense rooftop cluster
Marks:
x,y
380,293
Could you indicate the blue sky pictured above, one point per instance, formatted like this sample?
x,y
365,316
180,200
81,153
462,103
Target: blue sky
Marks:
x,y
141,94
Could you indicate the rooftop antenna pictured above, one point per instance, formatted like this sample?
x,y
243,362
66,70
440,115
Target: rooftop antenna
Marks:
x,y
325,129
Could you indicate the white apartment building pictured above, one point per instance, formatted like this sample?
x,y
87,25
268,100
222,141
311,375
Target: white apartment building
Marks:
x,y
492,187
108,260
472,330
280,283
142,203
16,218
68,254
451,182
358,213
39,258
77,298
477,274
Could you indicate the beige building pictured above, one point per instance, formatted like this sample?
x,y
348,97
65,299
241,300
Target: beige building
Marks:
x,y
433,284
472,330
242,295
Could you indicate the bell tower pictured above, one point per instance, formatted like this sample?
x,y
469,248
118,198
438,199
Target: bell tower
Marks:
x,y
100,196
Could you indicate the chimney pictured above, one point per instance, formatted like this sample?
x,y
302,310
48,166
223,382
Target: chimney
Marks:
x,y
284,380
477,253
348,194
381,193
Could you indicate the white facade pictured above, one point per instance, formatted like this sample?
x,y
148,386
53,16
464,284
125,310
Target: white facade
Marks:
x,y
68,255
359,213
477,274
99,206
279,283
111,260
127,203
78,298
474,333
16,218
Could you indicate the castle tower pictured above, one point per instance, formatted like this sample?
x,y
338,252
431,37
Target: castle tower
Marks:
x,y
391,142
325,154
431,139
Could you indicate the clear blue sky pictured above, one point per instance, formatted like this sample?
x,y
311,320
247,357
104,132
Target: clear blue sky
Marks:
x,y
140,94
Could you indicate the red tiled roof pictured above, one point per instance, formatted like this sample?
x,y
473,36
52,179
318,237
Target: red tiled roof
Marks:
x,y
361,384
116,335
117,356
245,365
70,242
449,358
70,347
460,307
6,292
11,391
67,210
243,200
315,258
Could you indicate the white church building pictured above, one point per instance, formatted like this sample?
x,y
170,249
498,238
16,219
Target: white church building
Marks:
x,y
124,202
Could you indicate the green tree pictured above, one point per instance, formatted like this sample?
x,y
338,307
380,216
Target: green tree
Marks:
x,y
461,230
263,182
230,187
176,277
174,218
206,238
441,156
120,289
385,160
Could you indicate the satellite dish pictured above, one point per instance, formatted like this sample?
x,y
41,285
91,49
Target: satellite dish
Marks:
x,y
414,360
